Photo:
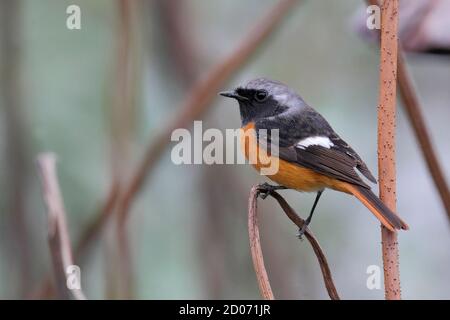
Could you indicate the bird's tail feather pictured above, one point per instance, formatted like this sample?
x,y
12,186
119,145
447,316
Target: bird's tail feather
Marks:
x,y
388,218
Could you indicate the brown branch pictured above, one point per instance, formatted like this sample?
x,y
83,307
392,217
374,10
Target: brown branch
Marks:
x,y
16,147
121,114
323,263
255,245
386,141
174,27
45,288
58,234
194,106
121,125
413,110
90,234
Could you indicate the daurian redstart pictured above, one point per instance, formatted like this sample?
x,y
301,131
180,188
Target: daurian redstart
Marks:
x,y
311,155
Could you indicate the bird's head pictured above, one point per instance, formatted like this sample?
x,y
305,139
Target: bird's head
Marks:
x,y
262,98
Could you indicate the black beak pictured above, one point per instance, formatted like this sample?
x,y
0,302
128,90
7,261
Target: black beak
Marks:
x,y
232,94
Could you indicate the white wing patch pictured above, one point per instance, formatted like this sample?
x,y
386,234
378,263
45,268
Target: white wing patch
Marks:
x,y
315,141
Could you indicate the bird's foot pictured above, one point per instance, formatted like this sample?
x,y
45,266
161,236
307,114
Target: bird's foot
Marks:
x,y
266,189
302,230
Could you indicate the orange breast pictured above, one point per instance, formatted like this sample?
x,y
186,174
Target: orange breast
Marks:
x,y
289,175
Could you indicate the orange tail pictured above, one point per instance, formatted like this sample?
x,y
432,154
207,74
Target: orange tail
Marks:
x,y
388,218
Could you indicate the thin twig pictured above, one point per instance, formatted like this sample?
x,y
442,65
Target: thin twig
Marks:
x,y
16,147
91,233
174,25
121,126
256,250
58,234
413,110
323,263
255,247
386,142
45,288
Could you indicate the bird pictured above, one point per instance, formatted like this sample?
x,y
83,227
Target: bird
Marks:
x,y
311,156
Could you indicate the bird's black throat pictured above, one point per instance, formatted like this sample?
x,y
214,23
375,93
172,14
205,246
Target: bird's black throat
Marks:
x,y
252,111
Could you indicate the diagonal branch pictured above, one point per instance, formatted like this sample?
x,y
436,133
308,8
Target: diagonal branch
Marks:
x,y
194,106
58,235
323,263
44,289
202,94
255,245
413,110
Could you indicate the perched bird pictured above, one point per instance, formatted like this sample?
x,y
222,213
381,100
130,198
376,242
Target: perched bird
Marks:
x,y
311,155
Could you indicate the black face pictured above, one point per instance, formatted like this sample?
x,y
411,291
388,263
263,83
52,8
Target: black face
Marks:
x,y
254,104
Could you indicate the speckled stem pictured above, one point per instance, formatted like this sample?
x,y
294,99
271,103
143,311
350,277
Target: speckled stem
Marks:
x,y
386,141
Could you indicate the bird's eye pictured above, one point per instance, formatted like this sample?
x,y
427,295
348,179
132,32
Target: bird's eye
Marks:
x,y
261,95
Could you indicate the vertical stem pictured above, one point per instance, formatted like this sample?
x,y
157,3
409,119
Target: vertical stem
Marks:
x,y
17,146
58,233
386,141
121,126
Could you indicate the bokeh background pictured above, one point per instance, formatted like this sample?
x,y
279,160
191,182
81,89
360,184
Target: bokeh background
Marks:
x,y
65,91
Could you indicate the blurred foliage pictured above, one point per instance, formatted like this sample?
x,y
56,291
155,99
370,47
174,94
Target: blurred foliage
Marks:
x,y
68,88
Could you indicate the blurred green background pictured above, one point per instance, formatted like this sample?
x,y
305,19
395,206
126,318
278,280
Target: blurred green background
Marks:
x,y
188,225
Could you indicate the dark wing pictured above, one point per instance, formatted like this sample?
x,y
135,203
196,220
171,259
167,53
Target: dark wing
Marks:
x,y
330,162
343,147
339,161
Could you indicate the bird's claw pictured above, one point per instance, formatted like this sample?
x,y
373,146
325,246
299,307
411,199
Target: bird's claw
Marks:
x,y
302,230
266,189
